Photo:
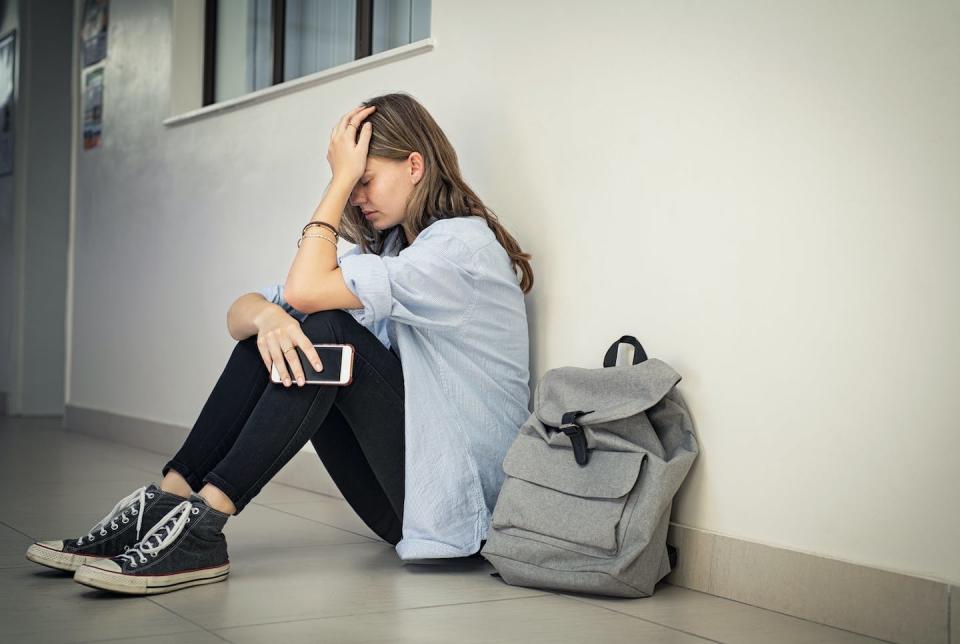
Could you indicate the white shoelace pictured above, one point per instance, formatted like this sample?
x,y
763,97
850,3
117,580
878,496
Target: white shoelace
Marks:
x,y
177,518
133,503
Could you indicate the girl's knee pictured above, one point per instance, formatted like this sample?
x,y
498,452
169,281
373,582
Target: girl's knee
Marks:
x,y
324,326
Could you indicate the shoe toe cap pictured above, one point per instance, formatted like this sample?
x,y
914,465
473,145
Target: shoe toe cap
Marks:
x,y
108,565
50,545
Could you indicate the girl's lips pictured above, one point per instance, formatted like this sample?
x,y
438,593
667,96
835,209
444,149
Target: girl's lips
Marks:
x,y
370,214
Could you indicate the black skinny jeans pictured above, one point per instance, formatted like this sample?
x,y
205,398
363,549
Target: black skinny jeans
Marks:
x,y
250,427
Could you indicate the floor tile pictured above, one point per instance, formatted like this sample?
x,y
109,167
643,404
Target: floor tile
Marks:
x,y
196,636
45,455
273,493
722,619
296,583
547,619
329,510
42,605
259,526
13,548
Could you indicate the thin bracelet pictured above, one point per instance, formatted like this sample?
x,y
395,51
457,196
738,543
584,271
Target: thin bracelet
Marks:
x,y
321,223
320,236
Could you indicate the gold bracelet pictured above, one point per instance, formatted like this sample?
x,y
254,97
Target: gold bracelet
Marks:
x,y
321,236
336,233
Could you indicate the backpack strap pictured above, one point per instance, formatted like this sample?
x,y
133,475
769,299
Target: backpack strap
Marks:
x,y
569,427
639,355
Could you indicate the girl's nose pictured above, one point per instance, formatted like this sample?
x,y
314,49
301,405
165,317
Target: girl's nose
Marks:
x,y
354,200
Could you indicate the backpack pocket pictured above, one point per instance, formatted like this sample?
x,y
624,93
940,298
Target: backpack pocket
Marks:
x,y
546,493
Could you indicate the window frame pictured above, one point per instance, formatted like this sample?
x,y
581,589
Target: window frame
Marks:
x,y
278,12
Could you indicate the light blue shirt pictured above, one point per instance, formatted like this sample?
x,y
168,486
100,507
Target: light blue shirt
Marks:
x,y
451,306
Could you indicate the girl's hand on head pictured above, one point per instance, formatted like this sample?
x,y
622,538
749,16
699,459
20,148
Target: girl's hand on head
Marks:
x,y
347,154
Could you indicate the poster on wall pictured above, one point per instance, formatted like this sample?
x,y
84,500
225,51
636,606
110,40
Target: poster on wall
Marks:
x,y
8,50
92,108
94,31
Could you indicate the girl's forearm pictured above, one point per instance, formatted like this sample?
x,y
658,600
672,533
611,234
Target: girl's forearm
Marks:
x,y
316,257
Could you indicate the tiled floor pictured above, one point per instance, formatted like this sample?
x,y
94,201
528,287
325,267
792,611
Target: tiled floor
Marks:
x,y
304,568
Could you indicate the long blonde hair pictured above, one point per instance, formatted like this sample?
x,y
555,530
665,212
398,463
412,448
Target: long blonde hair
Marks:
x,y
401,125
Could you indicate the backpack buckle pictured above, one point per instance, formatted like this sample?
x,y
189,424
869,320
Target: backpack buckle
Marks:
x,y
578,439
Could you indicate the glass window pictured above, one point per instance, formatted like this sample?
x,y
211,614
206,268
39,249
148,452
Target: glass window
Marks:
x,y
399,22
252,44
319,34
244,47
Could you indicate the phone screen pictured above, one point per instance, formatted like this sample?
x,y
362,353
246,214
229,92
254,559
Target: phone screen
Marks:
x,y
330,358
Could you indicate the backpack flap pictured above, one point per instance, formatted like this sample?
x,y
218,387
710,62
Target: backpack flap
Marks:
x,y
610,475
547,494
608,394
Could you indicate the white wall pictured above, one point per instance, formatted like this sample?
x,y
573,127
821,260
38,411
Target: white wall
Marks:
x,y
761,192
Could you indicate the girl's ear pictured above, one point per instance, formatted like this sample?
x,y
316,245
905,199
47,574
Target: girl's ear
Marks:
x,y
416,167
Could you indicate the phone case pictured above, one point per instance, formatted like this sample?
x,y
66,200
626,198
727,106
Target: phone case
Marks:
x,y
331,355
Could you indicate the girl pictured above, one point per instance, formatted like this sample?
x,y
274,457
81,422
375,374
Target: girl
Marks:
x,y
430,299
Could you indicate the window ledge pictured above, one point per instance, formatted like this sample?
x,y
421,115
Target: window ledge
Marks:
x,y
297,84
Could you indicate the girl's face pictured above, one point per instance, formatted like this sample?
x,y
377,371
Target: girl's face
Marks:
x,y
383,190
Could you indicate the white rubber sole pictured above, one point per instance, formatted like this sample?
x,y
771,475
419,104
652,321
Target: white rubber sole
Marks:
x,y
148,584
46,556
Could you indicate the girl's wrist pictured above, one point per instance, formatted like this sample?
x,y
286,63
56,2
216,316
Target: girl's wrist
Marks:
x,y
343,183
265,310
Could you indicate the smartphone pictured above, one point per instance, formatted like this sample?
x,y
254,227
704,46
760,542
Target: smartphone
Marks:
x,y
337,361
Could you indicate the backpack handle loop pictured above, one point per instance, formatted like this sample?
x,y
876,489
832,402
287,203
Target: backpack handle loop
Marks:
x,y
639,355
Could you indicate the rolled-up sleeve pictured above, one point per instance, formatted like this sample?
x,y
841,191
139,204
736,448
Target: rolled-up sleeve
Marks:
x,y
429,284
274,293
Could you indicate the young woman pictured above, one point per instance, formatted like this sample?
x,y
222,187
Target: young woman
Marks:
x,y
431,300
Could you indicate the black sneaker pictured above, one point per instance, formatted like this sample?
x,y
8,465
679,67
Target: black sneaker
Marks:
x,y
123,526
185,548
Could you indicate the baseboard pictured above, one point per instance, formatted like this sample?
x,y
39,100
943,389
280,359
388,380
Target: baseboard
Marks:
x,y
878,603
304,470
871,601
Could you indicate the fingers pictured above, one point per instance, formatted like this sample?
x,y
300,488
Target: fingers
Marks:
x,y
309,351
292,356
362,114
359,112
270,346
276,356
365,133
355,116
280,359
265,352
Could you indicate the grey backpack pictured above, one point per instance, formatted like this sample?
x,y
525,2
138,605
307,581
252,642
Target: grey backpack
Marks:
x,y
590,480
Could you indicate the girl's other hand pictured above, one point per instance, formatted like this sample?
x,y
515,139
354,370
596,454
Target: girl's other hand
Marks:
x,y
278,330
